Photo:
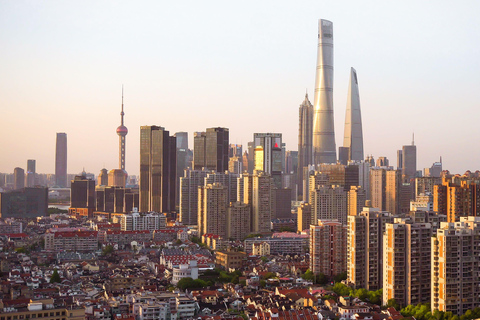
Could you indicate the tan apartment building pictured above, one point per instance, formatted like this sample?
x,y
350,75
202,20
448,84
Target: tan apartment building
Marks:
x,y
407,262
455,266
365,248
238,220
212,209
328,247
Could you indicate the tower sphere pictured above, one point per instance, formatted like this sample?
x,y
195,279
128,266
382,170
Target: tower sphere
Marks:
x,y
122,131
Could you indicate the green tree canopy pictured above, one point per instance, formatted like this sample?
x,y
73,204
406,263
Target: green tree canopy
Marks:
x,y
55,277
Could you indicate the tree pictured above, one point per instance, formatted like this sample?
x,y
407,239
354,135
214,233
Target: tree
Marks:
x,y
339,277
264,259
308,275
392,303
107,250
55,277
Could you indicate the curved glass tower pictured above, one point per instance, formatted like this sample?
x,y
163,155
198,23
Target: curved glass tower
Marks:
x,y
324,149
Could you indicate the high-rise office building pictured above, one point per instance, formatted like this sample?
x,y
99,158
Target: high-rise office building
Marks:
x,y
305,135
409,161
268,155
61,160
365,248
19,178
210,149
353,136
182,140
212,209
24,203
323,142
182,159
250,157
407,262
455,266
328,247
399,159
82,193
157,169
31,173
388,192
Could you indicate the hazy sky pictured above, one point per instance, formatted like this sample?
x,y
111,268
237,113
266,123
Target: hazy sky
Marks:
x,y
245,65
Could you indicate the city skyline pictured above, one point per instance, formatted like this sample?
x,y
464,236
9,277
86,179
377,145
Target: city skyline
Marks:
x,y
411,80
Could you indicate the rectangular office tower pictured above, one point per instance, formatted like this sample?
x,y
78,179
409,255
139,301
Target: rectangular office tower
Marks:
x,y
324,150
157,169
210,149
268,155
61,160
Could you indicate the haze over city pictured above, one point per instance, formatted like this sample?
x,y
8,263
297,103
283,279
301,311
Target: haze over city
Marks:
x,y
189,66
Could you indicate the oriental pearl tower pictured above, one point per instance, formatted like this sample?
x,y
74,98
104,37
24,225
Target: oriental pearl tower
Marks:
x,y
118,177
122,132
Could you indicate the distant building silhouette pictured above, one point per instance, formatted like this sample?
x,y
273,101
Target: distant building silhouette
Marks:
x,y
61,160
19,178
31,173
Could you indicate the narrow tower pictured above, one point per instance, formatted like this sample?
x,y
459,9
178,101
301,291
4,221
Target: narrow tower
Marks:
x,y
122,133
305,133
324,149
353,136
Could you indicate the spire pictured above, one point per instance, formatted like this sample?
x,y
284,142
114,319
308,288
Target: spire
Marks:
x,y
413,138
122,113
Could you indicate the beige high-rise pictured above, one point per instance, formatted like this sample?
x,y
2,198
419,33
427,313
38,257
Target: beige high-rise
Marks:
x,y
212,209
406,262
455,266
261,203
365,248
329,203
238,220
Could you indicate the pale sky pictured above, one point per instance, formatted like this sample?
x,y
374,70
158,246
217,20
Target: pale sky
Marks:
x,y
245,65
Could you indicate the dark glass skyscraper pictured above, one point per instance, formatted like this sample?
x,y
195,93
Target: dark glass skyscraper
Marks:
x,y
31,173
210,149
61,160
157,169
19,178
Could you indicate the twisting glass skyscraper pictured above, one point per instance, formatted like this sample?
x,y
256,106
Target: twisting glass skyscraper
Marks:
x,y
353,136
324,150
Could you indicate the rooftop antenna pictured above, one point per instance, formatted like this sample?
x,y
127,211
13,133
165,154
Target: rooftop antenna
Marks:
x,y
413,139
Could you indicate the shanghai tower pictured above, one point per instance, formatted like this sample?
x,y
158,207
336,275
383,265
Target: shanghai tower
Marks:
x,y
353,135
324,149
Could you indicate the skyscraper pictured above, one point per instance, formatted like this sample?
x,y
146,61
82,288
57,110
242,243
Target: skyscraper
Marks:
x,y
212,209
157,169
19,178
210,149
353,136
409,159
305,134
324,150
268,155
61,160
31,173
